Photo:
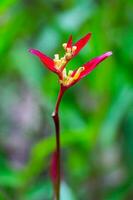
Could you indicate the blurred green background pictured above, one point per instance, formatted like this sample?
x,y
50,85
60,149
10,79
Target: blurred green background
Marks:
x,y
96,114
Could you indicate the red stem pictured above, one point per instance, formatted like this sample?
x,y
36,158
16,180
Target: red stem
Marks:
x,y
55,116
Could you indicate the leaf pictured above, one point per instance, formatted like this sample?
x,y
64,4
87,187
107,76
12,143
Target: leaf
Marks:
x,y
42,150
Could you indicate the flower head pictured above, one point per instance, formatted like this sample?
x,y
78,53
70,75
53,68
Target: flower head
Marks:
x,y
58,65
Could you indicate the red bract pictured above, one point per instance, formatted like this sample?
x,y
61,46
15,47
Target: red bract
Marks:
x,y
47,61
78,45
58,65
81,43
88,67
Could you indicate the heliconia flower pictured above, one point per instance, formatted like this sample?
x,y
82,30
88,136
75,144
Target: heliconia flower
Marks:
x,y
66,80
58,65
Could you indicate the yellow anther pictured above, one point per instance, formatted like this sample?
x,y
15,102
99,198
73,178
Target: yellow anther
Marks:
x,y
69,81
57,62
61,81
64,45
64,73
68,56
78,72
63,61
68,50
70,72
74,48
56,56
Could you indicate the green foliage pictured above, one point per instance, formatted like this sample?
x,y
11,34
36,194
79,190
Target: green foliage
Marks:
x,y
96,114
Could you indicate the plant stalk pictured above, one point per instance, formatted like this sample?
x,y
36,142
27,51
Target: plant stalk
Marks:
x,y
55,116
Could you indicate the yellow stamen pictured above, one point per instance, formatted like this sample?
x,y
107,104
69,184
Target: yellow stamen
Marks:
x,y
68,50
56,56
68,79
64,73
62,59
63,62
64,45
60,63
68,56
78,72
74,49
57,63
70,72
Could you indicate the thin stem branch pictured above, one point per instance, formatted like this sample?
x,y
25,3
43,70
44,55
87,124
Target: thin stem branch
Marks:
x,y
55,116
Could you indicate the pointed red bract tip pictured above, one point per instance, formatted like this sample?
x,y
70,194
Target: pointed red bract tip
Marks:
x,y
89,66
81,43
101,58
109,53
47,61
105,55
33,51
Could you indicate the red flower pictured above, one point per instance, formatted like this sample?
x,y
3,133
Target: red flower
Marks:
x,y
57,65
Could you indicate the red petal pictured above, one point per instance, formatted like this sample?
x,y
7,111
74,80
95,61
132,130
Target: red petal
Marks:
x,y
81,43
89,66
47,61
69,43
